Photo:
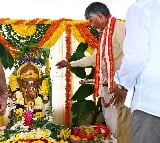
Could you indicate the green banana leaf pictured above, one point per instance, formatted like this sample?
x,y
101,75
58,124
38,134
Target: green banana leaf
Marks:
x,y
6,58
78,54
81,111
83,91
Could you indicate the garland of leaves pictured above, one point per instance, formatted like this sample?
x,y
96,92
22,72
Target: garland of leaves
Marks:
x,y
23,41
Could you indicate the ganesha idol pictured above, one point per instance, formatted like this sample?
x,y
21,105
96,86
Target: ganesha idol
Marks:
x,y
28,77
29,98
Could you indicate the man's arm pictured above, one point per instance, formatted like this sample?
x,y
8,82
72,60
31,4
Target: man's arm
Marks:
x,y
84,62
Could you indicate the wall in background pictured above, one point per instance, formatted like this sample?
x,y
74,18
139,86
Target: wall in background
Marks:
x,y
55,9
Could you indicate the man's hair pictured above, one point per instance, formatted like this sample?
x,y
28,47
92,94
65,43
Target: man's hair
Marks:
x,y
95,8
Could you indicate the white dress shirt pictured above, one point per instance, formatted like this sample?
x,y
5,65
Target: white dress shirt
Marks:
x,y
140,69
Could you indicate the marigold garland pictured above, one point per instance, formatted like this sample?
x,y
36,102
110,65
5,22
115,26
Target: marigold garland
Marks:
x,y
77,34
13,82
52,34
110,55
53,38
57,27
24,30
24,21
20,21
47,66
1,121
68,76
88,36
9,47
109,65
44,87
23,41
79,38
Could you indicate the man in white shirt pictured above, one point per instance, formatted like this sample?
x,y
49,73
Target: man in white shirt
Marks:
x,y
140,70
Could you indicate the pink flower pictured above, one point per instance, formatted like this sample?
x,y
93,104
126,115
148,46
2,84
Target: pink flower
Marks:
x,y
28,120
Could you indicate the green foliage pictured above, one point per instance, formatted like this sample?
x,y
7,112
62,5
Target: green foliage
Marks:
x,y
6,58
84,90
23,42
79,53
78,71
43,124
82,108
39,53
26,44
8,134
91,74
54,128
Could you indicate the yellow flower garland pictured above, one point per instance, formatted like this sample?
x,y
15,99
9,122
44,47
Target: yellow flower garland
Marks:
x,y
76,34
34,135
53,39
24,30
44,88
13,82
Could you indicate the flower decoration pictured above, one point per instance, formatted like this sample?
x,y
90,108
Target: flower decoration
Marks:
x,y
28,120
35,106
38,103
37,61
38,115
34,136
44,88
19,97
68,76
30,104
29,86
13,82
27,30
24,39
19,112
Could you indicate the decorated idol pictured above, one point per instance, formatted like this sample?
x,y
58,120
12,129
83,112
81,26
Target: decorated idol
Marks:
x,y
29,87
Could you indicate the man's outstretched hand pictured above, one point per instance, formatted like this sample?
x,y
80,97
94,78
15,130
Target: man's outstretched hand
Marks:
x,y
63,64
